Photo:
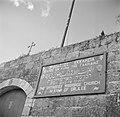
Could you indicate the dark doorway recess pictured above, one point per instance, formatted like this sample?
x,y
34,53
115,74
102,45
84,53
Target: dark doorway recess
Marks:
x,y
12,103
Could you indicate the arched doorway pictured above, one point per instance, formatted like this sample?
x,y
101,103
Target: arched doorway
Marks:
x,y
12,103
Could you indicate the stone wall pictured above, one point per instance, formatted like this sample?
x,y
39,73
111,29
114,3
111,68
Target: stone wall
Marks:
x,y
100,105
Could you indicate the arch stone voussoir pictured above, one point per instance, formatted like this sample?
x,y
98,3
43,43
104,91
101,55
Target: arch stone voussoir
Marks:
x,y
5,83
24,85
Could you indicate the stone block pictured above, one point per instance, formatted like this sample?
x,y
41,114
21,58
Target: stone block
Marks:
x,y
5,83
24,85
31,94
112,106
26,111
7,64
72,55
113,87
101,49
84,45
33,103
109,39
59,58
48,61
34,83
118,39
111,57
71,48
29,65
76,47
93,43
46,54
2,65
64,50
86,53
103,41
112,47
16,82
55,52
36,57
28,90
28,102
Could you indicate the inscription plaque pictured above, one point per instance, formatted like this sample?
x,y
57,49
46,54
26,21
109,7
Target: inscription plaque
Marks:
x,y
79,76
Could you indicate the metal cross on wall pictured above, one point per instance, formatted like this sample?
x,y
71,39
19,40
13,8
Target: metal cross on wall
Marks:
x,y
33,44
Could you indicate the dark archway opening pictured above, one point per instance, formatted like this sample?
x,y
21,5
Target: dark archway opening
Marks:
x,y
12,102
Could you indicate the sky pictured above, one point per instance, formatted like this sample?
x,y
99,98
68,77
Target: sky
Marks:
x,y
43,22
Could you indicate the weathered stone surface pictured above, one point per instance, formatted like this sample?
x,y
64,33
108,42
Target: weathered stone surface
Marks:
x,y
26,110
86,53
72,55
97,105
84,45
71,107
94,42
46,54
48,61
31,94
29,102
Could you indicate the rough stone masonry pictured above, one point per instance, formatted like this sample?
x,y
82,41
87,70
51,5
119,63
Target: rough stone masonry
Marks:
x,y
27,68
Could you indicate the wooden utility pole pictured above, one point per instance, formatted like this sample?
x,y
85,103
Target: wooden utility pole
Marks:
x,y
33,44
66,29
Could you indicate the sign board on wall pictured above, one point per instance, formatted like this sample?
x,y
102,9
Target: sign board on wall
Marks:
x,y
75,77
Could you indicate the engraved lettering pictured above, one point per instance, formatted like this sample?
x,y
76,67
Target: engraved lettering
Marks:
x,y
81,76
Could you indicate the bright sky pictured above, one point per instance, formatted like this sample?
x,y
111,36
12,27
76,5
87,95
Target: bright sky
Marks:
x,y
19,27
